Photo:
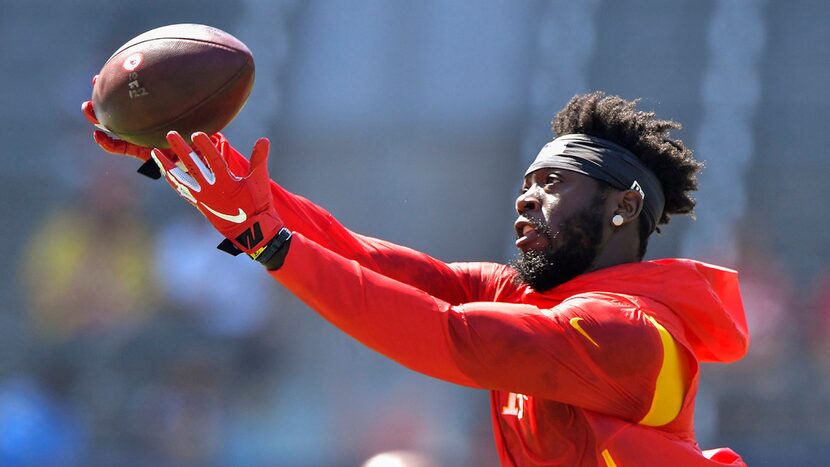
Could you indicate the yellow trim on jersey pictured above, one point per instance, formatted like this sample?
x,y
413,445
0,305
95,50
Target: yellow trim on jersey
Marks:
x,y
669,390
609,462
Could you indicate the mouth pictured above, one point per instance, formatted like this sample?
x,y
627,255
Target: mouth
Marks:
x,y
529,235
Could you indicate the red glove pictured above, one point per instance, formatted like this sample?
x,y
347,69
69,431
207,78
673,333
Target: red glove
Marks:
x,y
240,207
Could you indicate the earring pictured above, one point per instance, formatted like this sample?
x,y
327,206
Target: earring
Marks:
x,y
617,220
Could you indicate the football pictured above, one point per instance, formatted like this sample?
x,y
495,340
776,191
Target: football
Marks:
x,y
183,77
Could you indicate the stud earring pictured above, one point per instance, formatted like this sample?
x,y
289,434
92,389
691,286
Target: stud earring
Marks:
x,y
617,220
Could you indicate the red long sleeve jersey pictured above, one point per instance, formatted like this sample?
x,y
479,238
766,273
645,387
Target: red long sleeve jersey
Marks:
x,y
600,371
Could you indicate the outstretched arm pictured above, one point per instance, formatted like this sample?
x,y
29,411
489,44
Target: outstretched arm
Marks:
x,y
591,353
451,282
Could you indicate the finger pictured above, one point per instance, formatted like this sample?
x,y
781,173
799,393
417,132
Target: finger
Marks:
x,y
185,178
175,175
110,144
179,149
89,113
121,147
218,166
259,157
194,166
164,162
167,168
107,144
178,145
238,165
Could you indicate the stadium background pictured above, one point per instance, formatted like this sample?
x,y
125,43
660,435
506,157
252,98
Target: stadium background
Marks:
x,y
125,339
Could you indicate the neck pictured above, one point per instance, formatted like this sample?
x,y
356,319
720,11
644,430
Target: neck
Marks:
x,y
620,247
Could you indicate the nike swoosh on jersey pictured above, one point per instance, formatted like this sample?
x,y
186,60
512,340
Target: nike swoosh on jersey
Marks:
x,y
239,218
575,323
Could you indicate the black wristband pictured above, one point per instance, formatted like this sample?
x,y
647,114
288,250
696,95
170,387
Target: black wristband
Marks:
x,y
272,255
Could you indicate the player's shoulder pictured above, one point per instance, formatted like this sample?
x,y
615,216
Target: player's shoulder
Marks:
x,y
612,300
611,307
614,329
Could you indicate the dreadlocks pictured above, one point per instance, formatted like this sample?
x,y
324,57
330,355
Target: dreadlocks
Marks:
x,y
617,120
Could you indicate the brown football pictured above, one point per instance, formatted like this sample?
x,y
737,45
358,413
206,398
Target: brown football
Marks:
x,y
183,77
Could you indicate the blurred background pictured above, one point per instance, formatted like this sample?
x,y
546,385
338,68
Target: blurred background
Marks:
x,y
127,339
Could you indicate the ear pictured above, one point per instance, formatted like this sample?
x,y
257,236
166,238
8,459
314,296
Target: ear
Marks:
x,y
629,205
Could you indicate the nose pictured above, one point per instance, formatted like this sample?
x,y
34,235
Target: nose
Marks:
x,y
528,201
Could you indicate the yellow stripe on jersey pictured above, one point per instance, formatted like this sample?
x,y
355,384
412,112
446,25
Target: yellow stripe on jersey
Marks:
x,y
669,391
609,462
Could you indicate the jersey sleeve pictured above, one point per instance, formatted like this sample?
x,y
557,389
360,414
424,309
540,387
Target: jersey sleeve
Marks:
x,y
594,353
451,282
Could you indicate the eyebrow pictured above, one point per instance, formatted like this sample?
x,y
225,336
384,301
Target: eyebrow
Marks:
x,y
558,172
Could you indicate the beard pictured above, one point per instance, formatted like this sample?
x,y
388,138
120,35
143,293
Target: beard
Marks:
x,y
581,239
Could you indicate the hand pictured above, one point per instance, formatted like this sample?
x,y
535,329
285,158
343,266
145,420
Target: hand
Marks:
x,y
240,207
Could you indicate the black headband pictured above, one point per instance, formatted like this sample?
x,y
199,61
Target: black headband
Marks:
x,y
603,160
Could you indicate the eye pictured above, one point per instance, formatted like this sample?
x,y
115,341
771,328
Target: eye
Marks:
x,y
552,178
523,190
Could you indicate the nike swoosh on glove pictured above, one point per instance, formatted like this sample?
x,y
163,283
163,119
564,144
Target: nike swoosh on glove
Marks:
x,y
238,206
